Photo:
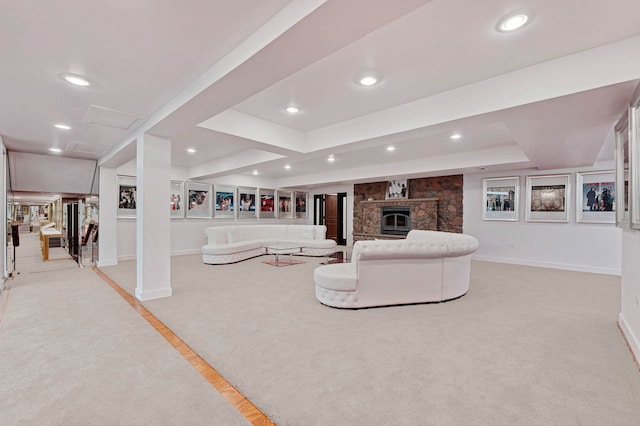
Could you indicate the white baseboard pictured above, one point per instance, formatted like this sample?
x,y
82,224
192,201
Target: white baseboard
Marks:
x,y
153,294
632,339
568,267
184,252
173,253
111,262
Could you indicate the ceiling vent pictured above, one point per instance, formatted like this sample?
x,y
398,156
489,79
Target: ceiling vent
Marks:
x,y
111,118
86,148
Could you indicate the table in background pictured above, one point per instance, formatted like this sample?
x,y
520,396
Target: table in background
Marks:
x,y
278,249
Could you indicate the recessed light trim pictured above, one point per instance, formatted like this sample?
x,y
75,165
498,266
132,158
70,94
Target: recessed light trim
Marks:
x,y
62,126
292,109
76,80
55,150
512,22
368,80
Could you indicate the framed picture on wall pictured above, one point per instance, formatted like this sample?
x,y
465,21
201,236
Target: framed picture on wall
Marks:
x,y
595,197
127,196
284,204
267,202
301,204
225,201
500,198
622,170
547,198
397,189
246,202
199,200
176,202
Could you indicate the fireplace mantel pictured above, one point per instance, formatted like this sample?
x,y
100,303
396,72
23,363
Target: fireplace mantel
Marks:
x,y
399,201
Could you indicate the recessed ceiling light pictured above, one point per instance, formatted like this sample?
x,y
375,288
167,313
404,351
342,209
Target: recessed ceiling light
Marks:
x,y
75,79
255,172
287,166
293,109
368,80
455,136
391,148
512,22
191,150
62,126
331,158
55,150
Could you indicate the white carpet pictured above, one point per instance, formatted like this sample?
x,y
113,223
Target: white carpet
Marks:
x,y
524,346
73,352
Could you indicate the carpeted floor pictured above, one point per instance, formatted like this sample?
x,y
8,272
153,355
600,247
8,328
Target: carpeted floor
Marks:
x,y
525,346
73,352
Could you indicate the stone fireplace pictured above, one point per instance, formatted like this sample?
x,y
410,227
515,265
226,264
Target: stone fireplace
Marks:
x,y
434,204
403,215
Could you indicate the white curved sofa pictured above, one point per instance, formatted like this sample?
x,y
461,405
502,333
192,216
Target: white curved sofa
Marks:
x,y
229,244
427,266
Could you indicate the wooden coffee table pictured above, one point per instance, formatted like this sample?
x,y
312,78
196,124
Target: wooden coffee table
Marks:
x,y
278,249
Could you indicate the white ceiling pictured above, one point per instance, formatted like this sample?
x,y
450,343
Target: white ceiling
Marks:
x,y
216,75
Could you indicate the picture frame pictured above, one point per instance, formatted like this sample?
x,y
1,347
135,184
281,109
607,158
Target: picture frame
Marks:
x,y
267,200
285,209
596,197
547,198
500,199
622,159
198,196
397,189
225,201
246,202
127,196
634,159
176,201
301,204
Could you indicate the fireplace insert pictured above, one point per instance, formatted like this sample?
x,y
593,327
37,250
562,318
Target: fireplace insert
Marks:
x,y
395,220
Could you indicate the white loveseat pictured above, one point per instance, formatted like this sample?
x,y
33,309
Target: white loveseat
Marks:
x,y
427,266
229,244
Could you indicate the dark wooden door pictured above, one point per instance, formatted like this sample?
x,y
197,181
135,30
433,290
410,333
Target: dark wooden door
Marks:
x,y
331,216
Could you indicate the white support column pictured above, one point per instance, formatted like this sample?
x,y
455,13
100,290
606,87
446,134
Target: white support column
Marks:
x,y
153,227
108,218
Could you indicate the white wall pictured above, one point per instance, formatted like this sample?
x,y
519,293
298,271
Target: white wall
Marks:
x,y
574,246
630,300
187,235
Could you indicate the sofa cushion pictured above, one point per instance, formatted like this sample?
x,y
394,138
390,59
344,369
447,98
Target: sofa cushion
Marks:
x,y
255,232
214,249
399,249
337,277
300,232
216,235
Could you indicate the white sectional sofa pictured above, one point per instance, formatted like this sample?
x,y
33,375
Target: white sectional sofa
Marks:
x,y
427,266
229,244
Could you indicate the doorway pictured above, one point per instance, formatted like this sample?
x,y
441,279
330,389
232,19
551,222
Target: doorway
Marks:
x,y
330,210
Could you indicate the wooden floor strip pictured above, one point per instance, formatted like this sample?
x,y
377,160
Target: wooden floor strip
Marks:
x,y
239,401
